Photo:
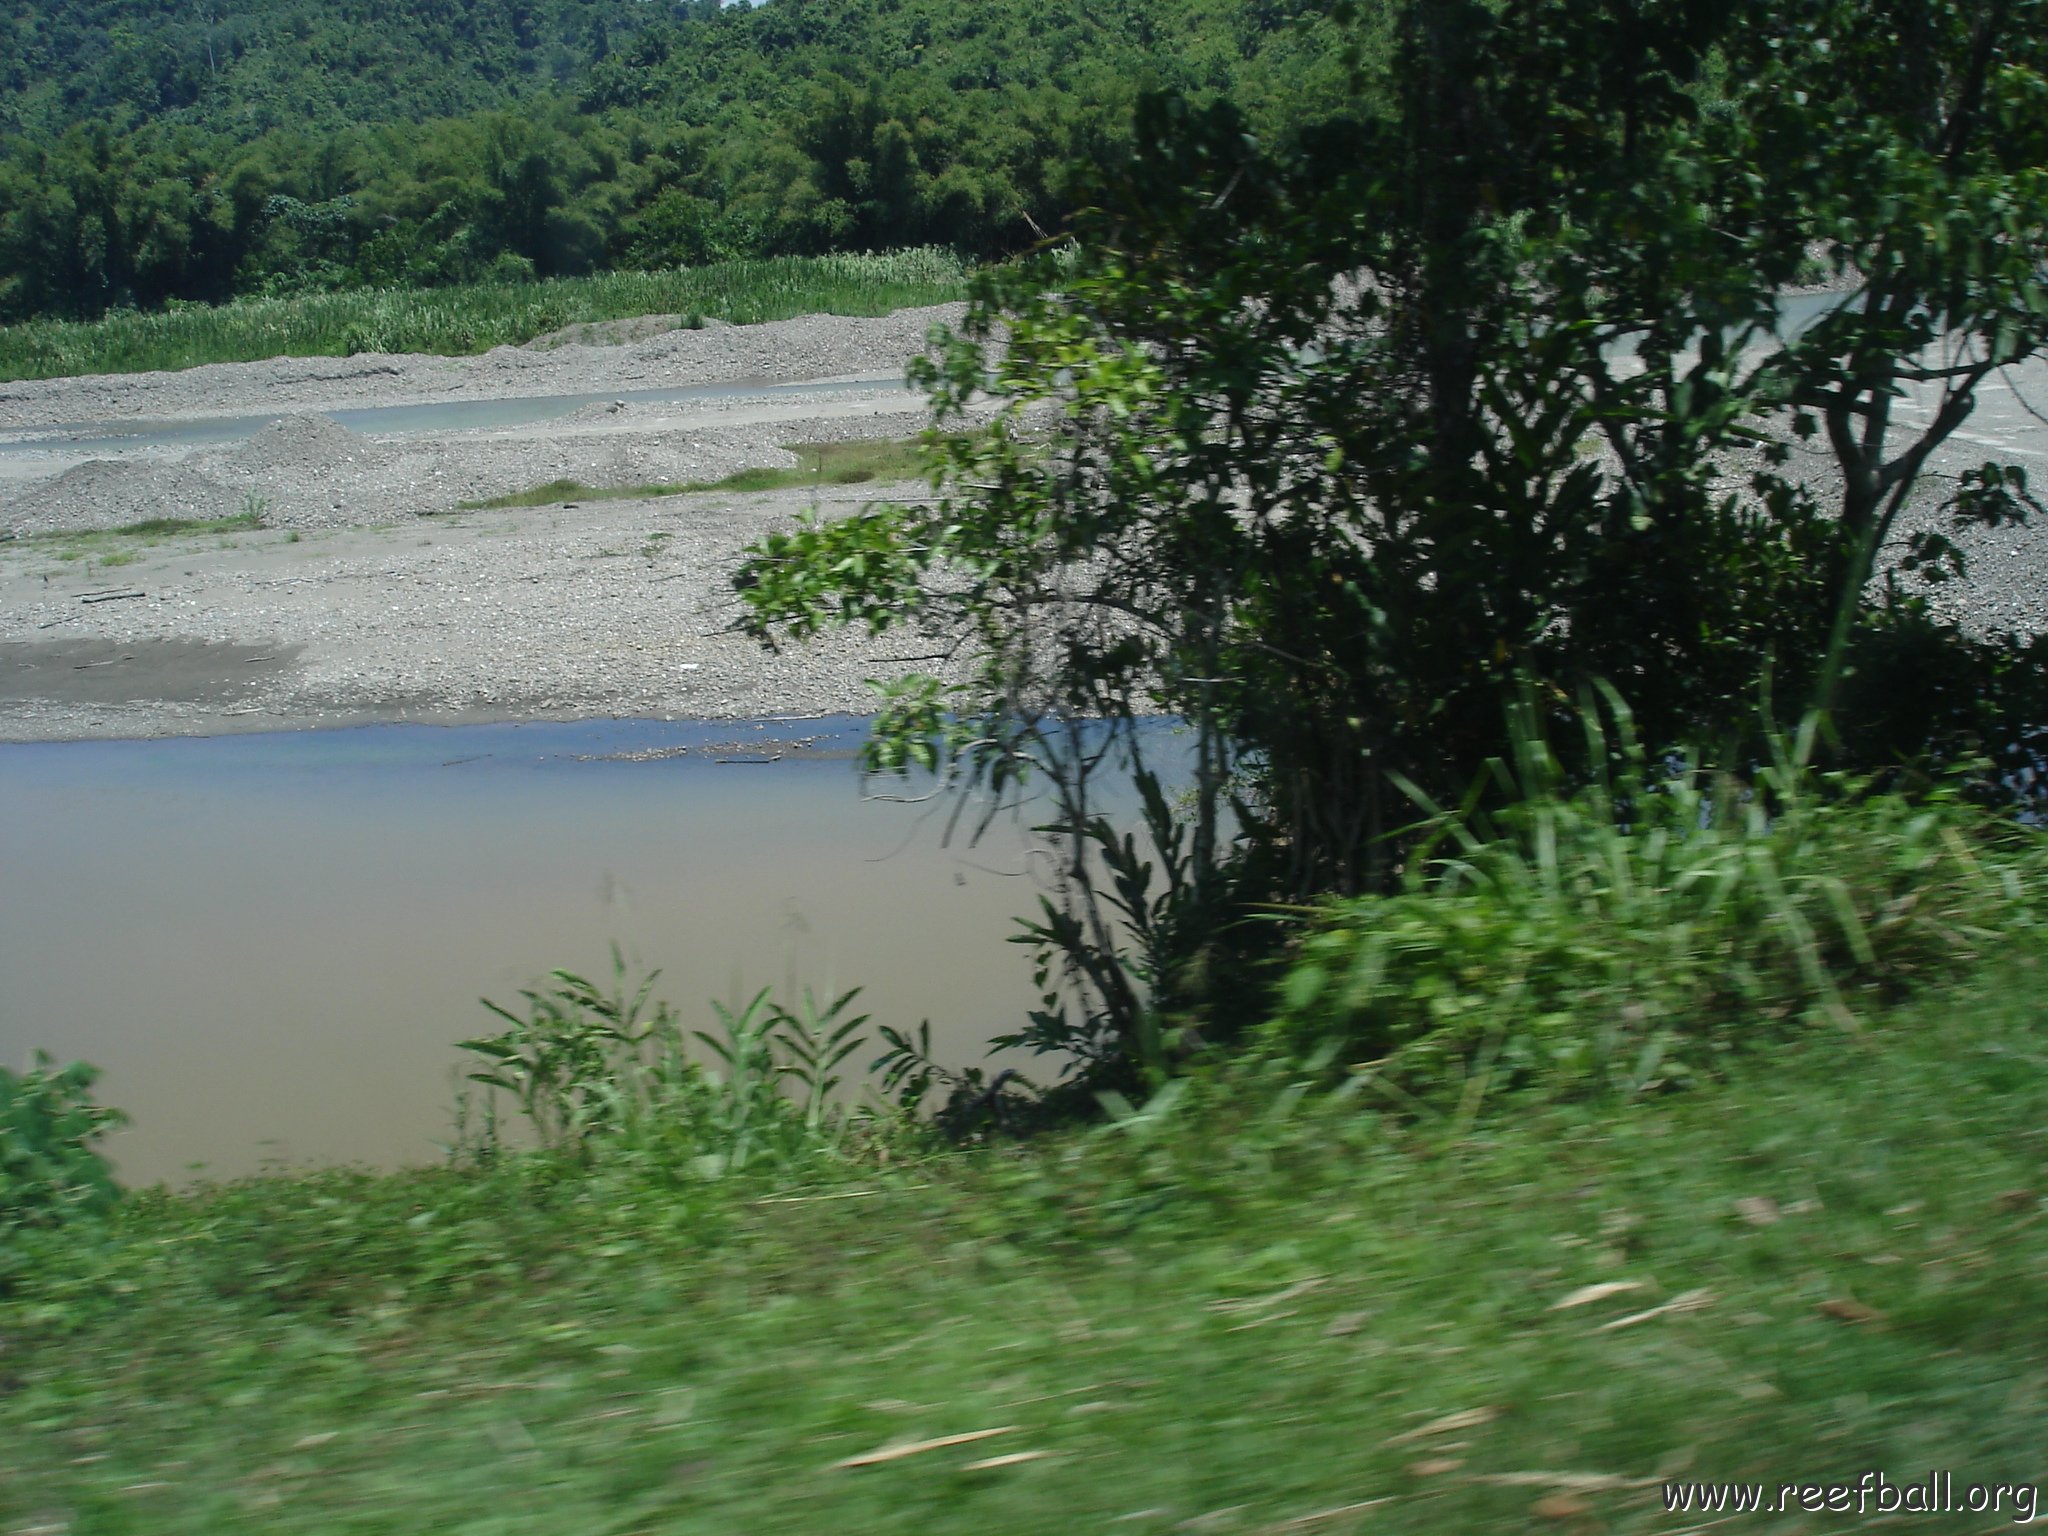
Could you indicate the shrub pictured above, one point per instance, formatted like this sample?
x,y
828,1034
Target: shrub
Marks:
x,y
1626,934
49,1169
593,1069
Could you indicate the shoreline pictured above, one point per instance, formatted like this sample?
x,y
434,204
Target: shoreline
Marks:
x,y
834,723
616,610
312,576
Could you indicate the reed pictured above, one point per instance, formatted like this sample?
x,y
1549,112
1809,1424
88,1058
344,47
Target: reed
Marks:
x,y
457,321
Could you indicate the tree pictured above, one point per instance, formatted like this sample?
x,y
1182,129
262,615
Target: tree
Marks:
x,y
1325,446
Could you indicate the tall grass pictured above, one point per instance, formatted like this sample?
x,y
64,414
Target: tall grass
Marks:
x,y
461,320
1632,932
591,1067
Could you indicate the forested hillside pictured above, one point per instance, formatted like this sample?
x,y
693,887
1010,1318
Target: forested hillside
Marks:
x,y
249,66
157,152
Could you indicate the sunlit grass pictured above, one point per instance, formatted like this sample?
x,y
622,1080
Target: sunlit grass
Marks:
x,y
1239,1314
819,464
461,320
119,546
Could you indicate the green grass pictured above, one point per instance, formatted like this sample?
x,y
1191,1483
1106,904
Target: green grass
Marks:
x,y
854,463
461,320
1246,1310
1637,931
118,546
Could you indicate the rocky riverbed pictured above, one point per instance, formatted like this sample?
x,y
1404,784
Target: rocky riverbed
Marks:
x,y
356,588
352,586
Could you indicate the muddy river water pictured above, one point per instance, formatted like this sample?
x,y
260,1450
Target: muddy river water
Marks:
x,y
271,942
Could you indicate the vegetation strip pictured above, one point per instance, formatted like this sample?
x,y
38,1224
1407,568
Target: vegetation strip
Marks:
x,y
472,318
820,464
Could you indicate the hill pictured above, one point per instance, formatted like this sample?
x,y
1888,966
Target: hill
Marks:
x,y
248,67
155,153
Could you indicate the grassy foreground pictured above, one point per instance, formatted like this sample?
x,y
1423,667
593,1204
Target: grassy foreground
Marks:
x,y
1253,1311
461,320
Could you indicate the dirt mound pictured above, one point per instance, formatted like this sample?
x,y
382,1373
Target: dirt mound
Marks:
x,y
302,443
108,493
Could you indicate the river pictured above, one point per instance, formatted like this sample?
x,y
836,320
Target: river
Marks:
x,y
271,942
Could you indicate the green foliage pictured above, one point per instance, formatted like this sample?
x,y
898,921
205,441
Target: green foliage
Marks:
x,y
601,135
582,1062
461,320
290,64
50,1170
597,1071
1245,1298
816,1044
1476,381
1629,934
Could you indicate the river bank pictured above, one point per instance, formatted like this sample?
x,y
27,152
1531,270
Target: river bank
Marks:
x,y
304,574
621,608
1254,1313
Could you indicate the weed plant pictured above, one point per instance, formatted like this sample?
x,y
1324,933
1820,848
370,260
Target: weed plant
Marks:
x,y
595,1070
50,1169
1631,932
460,320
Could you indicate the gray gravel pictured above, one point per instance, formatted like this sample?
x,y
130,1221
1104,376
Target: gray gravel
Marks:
x,y
613,608
813,347
367,596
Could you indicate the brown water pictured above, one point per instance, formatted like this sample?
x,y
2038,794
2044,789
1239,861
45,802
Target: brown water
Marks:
x,y
270,943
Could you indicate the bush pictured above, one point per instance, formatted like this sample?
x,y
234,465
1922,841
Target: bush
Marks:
x,y
49,1169
1627,934
592,1069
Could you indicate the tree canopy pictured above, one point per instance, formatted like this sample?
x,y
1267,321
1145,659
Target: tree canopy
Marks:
x,y
155,153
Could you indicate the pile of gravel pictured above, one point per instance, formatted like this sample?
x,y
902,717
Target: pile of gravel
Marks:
x,y
106,493
309,471
309,444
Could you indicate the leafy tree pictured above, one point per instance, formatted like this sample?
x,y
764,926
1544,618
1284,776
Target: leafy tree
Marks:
x,y
568,134
1350,437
